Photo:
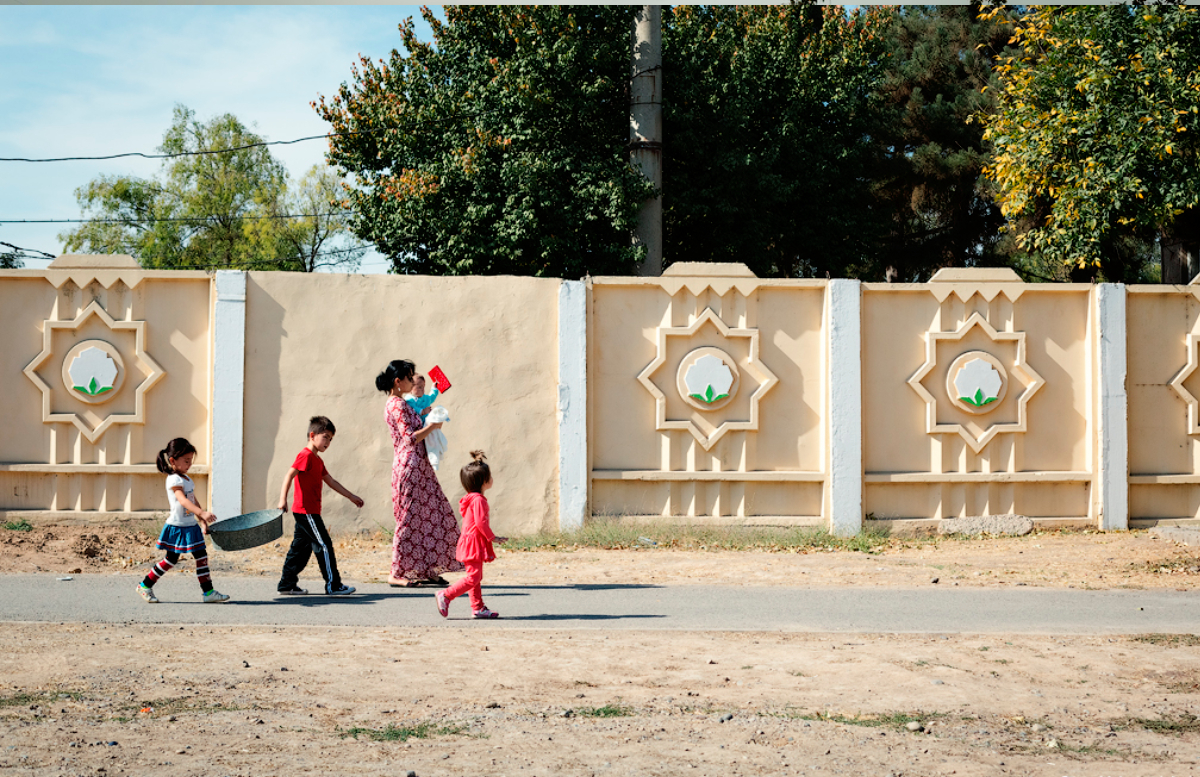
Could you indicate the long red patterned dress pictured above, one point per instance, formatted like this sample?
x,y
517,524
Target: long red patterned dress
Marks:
x,y
426,529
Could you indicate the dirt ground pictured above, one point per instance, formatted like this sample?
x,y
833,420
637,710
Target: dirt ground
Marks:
x,y
83,699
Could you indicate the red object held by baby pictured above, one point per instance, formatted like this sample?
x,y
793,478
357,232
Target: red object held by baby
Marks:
x,y
439,379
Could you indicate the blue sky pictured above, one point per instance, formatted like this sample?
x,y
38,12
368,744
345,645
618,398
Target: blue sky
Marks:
x,y
96,80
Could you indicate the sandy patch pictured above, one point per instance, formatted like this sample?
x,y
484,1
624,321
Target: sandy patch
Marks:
x,y
257,701
467,700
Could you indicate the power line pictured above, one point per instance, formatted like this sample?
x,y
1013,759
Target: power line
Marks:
x,y
183,219
457,117
192,153
28,252
273,263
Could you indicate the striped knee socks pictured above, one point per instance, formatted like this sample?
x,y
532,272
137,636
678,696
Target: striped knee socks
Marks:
x,y
202,574
157,571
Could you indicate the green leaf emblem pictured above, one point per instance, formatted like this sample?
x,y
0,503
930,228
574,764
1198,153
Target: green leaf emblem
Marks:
x,y
979,400
92,388
707,397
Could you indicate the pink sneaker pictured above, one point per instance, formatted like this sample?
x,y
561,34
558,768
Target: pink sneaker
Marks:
x,y
485,614
442,604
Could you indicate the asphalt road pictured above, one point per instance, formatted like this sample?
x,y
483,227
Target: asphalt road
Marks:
x,y
935,609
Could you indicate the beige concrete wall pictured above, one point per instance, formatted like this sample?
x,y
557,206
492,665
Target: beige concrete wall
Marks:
x,y
1164,447
760,457
314,345
927,456
70,460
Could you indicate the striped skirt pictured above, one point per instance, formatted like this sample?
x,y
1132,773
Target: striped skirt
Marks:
x,y
182,539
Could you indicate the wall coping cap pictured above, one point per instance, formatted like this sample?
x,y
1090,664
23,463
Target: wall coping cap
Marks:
x,y
709,270
976,275
94,262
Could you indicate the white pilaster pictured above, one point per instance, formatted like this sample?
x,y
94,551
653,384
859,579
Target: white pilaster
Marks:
x,y
1113,432
572,405
844,325
229,360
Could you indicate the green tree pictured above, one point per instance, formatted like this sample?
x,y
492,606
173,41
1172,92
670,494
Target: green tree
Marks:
x,y
767,118
310,238
219,203
500,147
1097,134
927,177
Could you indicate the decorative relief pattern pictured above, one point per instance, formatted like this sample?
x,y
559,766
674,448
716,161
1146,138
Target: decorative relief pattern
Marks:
x,y
1193,362
705,368
93,371
976,382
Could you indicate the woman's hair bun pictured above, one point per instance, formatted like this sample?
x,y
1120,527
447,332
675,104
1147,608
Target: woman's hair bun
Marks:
x,y
478,456
397,368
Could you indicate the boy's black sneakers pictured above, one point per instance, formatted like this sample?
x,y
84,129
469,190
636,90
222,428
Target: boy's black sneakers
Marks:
x,y
343,590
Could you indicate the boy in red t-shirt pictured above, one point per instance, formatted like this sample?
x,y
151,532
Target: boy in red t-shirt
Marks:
x,y
308,470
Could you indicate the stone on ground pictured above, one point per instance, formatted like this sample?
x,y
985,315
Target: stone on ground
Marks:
x,y
976,525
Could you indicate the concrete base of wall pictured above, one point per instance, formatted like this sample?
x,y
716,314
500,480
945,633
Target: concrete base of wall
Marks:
x,y
153,519
777,521
929,527
1149,523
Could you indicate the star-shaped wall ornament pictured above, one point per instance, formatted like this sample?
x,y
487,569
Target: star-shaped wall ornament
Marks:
x,y
154,371
1193,363
1021,368
766,379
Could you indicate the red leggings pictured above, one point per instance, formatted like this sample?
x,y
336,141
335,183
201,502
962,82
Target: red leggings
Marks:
x,y
469,584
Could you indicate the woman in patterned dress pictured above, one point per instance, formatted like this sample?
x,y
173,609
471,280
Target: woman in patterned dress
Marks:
x,y
426,529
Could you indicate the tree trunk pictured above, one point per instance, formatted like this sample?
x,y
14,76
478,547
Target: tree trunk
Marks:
x,y
1181,248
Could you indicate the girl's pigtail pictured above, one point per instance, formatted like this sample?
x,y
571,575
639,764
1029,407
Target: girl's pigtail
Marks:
x,y
175,448
476,474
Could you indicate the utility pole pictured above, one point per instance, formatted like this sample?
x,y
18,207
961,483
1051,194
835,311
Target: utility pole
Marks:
x,y
645,130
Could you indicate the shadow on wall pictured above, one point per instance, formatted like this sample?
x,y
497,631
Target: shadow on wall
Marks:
x,y
263,366
174,343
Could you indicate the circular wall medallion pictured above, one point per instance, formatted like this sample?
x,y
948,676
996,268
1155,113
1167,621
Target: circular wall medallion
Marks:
x,y
976,382
93,371
707,378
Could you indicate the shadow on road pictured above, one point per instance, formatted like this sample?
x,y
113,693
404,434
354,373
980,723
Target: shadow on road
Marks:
x,y
312,600
576,587
561,616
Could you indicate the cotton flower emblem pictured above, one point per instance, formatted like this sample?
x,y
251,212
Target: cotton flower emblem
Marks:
x,y
93,372
978,383
708,380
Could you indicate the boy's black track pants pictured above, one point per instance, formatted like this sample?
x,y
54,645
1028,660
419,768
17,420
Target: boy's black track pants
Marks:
x,y
311,538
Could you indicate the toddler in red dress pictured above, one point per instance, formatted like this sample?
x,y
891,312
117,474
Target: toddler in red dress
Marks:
x,y
475,542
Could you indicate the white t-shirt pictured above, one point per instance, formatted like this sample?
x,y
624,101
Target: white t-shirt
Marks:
x,y
180,516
